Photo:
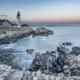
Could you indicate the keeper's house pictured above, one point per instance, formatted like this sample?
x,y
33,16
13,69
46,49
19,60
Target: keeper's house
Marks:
x,y
6,23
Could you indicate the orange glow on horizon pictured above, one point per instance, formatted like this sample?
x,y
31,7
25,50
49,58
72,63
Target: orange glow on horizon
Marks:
x,y
60,20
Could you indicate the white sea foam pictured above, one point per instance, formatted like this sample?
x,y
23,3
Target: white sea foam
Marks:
x,y
40,37
6,46
25,61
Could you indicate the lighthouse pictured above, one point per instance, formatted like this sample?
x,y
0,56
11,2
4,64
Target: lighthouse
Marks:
x,y
18,19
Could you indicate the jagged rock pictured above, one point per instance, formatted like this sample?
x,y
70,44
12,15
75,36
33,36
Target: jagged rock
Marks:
x,y
52,77
62,49
59,76
38,73
7,73
53,52
42,31
75,50
17,75
45,62
6,56
66,70
30,51
35,78
73,62
28,75
43,76
11,34
67,43
46,77
60,64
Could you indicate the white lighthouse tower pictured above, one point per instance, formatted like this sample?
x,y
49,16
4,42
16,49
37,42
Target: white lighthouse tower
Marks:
x,y
18,19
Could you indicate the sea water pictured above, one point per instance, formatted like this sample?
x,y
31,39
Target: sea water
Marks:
x,y
41,44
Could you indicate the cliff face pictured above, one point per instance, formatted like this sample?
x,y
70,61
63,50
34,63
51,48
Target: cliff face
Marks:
x,y
6,73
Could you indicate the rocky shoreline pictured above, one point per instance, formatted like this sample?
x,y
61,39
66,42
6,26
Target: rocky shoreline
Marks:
x,y
42,32
66,62
7,73
45,66
11,34
65,67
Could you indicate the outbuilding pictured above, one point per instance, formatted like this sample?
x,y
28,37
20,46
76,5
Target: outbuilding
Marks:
x,y
5,23
24,25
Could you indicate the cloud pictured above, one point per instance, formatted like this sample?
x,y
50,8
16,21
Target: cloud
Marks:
x,y
4,15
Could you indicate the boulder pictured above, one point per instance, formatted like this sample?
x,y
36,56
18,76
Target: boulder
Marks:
x,y
53,52
45,62
60,64
75,50
67,44
30,51
6,56
73,62
66,70
42,32
63,50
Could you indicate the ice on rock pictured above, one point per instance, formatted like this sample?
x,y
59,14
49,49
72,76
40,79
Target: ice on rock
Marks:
x,y
17,75
4,71
38,73
35,78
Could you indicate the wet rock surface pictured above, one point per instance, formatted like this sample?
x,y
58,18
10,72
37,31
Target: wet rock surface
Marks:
x,y
7,56
42,32
67,44
11,34
75,51
65,67
30,51
45,62
71,60
66,70
65,62
63,50
7,73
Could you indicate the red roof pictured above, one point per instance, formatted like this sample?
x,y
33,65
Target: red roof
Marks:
x,y
2,21
24,25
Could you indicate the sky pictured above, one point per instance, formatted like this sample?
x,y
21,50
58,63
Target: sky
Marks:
x,y
41,11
